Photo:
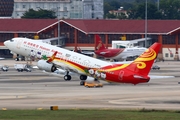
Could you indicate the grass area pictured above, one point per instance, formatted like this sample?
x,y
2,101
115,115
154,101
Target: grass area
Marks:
x,y
89,114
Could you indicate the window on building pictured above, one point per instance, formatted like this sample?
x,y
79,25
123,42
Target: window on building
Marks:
x,y
24,6
84,38
168,39
17,6
92,7
166,55
6,36
65,8
171,55
92,15
154,38
65,14
132,36
45,6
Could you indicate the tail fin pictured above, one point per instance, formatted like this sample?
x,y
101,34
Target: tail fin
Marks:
x,y
52,57
99,44
145,61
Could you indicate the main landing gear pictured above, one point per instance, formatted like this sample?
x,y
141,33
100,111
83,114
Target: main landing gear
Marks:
x,y
67,77
83,79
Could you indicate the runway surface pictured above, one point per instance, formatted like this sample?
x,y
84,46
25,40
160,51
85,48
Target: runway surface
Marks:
x,y
33,90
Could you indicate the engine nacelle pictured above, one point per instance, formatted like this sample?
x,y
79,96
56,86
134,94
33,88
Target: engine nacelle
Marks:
x,y
89,79
43,65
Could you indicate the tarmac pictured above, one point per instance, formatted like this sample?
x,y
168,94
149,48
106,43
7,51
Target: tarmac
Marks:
x,y
37,90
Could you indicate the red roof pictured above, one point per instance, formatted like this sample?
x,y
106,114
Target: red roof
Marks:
x,y
24,25
125,26
97,26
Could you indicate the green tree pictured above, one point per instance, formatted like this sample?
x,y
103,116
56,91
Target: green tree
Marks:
x,y
122,16
115,4
112,16
138,11
40,14
111,5
107,8
170,9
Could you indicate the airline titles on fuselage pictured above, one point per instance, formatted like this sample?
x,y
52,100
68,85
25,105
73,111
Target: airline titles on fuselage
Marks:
x,y
40,47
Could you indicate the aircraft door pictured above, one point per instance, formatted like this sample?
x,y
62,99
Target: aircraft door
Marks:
x,y
121,74
19,42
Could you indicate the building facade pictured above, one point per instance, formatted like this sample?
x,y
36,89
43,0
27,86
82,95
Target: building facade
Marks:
x,y
78,33
73,9
6,8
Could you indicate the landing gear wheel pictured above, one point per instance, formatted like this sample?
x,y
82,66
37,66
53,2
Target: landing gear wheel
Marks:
x,y
53,68
82,82
67,77
83,77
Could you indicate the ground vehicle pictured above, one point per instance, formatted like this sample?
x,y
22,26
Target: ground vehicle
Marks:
x,y
155,67
93,84
19,67
27,69
4,68
22,67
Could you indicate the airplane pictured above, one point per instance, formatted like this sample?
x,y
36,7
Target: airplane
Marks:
x,y
116,54
135,72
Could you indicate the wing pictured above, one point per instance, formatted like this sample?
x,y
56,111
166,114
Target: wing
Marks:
x,y
160,77
87,53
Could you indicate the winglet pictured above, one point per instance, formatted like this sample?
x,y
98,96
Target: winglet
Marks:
x,y
52,57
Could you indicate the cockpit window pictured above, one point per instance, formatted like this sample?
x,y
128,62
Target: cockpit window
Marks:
x,y
12,40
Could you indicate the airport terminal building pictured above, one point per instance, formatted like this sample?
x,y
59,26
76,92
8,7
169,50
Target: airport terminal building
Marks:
x,y
74,33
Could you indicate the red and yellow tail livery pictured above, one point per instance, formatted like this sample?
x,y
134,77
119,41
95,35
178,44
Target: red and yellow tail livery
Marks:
x,y
99,45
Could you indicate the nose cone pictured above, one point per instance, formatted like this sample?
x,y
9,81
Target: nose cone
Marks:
x,y
6,43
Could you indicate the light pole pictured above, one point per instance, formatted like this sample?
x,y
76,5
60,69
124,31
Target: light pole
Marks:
x,y
58,25
146,25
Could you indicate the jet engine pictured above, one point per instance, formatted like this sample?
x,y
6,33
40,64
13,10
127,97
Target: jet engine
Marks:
x,y
43,65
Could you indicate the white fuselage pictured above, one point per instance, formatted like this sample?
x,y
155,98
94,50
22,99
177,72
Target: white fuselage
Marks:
x,y
27,47
129,52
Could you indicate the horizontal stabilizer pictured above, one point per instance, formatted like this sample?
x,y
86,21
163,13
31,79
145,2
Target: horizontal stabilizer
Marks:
x,y
160,77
